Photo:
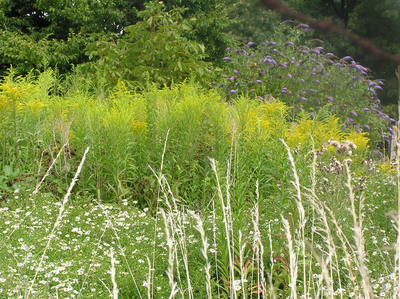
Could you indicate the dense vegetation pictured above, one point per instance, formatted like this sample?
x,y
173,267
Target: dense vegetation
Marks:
x,y
148,152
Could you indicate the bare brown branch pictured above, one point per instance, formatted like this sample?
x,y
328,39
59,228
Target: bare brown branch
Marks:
x,y
330,27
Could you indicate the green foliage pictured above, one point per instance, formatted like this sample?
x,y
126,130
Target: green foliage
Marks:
x,y
154,49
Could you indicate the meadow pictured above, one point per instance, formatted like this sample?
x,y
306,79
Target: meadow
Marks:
x,y
274,189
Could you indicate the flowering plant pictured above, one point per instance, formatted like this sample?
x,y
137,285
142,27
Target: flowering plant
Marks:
x,y
305,76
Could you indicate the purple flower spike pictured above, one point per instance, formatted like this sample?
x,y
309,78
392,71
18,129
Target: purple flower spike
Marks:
x,y
227,49
380,82
251,91
272,43
378,154
260,98
346,58
302,81
303,99
353,113
232,91
390,130
392,120
250,82
249,44
259,81
284,90
287,21
302,26
329,98
366,109
367,127
289,44
317,81
329,55
236,72
232,78
312,90
289,76
227,59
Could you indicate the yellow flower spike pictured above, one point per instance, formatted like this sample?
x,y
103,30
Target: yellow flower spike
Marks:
x,y
4,103
35,106
139,126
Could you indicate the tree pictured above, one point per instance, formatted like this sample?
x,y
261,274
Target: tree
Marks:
x,y
37,34
154,49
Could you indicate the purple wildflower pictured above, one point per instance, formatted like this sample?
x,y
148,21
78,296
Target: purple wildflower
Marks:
x,y
378,154
346,58
232,91
232,78
259,81
302,81
236,72
227,59
303,99
287,21
251,91
367,127
312,90
261,98
353,113
329,98
272,43
284,90
250,82
390,130
392,120
302,26
329,55
289,44
228,49
303,51
317,81
249,44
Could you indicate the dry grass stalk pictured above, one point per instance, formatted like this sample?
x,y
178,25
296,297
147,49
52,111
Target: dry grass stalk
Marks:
x,y
58,220
156,220
112,269
292,259
170,271
302,219
359,239
51,166
204,251
227,229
